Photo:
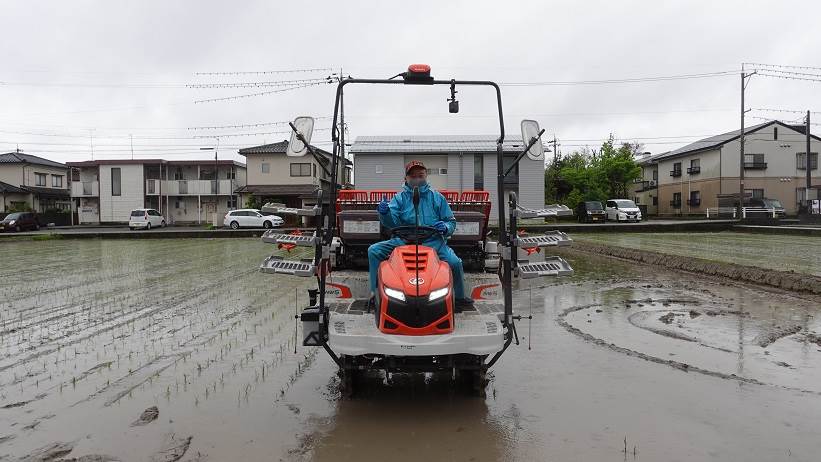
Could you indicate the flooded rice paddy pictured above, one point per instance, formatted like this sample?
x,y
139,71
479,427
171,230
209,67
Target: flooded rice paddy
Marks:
x,y
781,252
181,350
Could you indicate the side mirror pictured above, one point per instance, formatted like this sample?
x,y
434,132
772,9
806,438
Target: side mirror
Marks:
x,y
304,126
530,129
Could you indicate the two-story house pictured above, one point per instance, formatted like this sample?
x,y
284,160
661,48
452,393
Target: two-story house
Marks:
x,y
645,188
456,163
184,191
691,178
294,181
30,182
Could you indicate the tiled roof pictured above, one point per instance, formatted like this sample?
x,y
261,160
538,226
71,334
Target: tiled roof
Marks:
x,y
10,188
434,144
718,140
19,158
280,148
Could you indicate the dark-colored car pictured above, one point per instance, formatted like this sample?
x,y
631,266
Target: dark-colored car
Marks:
x,y
20,221
590,212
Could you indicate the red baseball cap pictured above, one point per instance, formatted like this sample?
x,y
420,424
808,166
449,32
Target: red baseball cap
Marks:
x,y
414,163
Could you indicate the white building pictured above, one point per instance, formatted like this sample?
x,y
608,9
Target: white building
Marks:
x,y
186,191
454,163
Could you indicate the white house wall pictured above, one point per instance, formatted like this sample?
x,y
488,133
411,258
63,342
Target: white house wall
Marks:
x,y
118,208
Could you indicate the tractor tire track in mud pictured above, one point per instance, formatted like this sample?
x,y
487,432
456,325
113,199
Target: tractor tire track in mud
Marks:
x,y
787,280
685,367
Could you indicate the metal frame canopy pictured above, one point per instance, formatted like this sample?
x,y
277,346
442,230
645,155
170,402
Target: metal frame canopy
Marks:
x,y
417,74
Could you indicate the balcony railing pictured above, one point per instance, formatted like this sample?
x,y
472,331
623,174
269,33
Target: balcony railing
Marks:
x,y
190,187
675,173
647,185
694,202
675,204
85,188
693,170
755,165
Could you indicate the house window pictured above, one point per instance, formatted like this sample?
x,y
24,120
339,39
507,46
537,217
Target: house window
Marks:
x,y
40,179
232,202
314,170
232,173
478,172
695,167
178,174
676,170
176,204
655,200
695,199
655,174
801,161
56,181
116,182
754,161
775,133
266,167
301,169
443,171
676,202
755,193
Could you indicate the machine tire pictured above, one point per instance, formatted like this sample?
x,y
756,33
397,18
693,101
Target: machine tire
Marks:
x,y
473,382
162,225
148,226
234,225
18,228
266,224
37,227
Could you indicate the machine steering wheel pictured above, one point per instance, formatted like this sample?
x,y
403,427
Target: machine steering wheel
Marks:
x,y
409,233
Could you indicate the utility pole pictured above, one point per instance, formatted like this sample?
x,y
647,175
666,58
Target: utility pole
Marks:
x,y
809,164
744,81
555,144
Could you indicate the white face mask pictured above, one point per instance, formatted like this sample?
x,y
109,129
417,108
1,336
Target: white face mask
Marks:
x,y
416,182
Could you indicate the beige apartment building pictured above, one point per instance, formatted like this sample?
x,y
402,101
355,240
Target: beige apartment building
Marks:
x,y
294,181
689,180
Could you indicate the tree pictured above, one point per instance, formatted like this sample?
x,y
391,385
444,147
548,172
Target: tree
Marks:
x,y
592,176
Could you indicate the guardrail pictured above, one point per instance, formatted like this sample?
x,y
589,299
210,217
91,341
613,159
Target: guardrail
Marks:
x,y
718,211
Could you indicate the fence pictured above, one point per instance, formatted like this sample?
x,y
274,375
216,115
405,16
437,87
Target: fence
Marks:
x,y
719,211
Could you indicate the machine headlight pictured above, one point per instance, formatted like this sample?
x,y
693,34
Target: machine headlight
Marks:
x,y
12,222
437,294
395,294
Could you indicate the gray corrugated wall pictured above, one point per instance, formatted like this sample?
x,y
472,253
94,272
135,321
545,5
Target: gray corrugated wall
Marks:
x,y
531,183
392,176
460,172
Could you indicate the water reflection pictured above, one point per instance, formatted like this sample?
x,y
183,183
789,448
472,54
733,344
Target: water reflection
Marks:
x,y
412,417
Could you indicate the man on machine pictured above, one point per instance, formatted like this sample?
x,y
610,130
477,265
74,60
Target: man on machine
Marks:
x,y
435,212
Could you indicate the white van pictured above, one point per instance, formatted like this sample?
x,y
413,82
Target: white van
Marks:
x,y
622,210
145,219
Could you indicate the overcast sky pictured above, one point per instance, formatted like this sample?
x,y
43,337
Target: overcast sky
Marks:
x,y
113,72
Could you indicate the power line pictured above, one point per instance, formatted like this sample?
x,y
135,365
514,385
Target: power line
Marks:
x,y
262,93
260,84
229,135
281,71
781,66
624,80
240,126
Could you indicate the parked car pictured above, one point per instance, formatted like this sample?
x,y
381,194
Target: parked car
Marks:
x,y
622,210
19,221
590,212
769,204
250,218
146,219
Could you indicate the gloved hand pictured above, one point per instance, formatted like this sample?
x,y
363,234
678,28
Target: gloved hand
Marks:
x,y
382,208
441,227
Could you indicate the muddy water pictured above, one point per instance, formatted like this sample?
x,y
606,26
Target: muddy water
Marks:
x,y
780,252
93,333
